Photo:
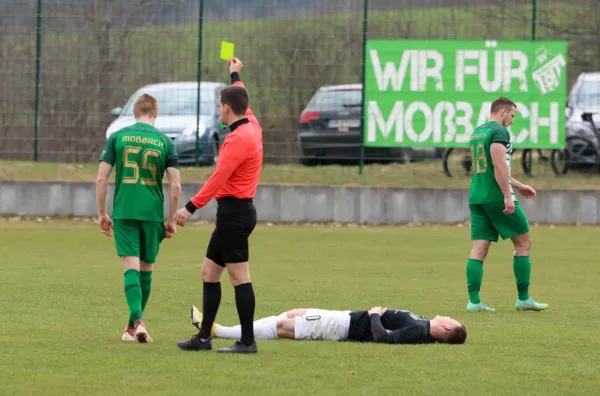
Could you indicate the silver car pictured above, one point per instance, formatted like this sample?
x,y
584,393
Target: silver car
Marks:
x,y
177,102
583,119
584,103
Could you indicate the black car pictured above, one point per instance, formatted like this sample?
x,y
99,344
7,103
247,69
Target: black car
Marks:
x,y
329,129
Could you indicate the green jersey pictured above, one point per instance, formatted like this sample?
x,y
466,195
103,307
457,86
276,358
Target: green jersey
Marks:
x,y
140,154
484,187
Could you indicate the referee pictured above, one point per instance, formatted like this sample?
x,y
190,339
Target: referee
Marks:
x,y
233,184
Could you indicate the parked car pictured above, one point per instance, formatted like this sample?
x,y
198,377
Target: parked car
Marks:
x,y
177,102
583,119
329,130
583,98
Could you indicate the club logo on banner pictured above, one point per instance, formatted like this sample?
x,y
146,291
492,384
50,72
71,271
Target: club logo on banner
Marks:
x,y
434,93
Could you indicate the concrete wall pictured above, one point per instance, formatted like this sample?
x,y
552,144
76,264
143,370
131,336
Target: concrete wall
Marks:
x,y
277,203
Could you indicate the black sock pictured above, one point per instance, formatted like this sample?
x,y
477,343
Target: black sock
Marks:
x,y
211,300
244,300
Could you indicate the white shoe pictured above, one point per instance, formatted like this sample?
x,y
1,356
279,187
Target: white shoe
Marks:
x,y
196,316
141,334
128,334
197,320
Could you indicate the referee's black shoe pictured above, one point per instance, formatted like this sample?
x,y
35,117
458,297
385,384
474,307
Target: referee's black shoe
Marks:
x,y
196,344
238,347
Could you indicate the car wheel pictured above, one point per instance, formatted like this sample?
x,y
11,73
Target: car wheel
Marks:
x,y
308,158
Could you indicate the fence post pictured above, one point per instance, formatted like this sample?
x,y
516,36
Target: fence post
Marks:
x,y
361,160
533,26
533,18
199,79
38,58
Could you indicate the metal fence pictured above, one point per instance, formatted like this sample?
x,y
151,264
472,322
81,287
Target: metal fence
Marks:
x,y
65,64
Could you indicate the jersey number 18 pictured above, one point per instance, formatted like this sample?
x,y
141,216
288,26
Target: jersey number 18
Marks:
x,y
479,158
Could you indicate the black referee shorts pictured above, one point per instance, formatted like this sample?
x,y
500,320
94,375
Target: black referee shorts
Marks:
x,y
236,219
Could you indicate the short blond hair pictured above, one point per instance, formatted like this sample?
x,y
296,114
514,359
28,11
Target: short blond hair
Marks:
x,y
145,105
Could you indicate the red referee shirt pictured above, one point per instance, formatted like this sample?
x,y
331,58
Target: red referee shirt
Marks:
x,y
239,163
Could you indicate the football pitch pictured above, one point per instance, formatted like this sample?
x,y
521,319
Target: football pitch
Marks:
x,y
63,311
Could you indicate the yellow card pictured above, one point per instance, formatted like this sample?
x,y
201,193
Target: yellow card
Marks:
x,y
226,50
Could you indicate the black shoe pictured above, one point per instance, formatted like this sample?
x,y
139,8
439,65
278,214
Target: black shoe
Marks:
x,y
196,344
238,347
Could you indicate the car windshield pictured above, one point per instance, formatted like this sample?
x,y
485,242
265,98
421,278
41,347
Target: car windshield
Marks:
x,y
178,101
589,94
338,98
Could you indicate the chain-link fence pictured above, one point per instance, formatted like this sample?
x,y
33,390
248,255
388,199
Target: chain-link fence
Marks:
x,y
66,65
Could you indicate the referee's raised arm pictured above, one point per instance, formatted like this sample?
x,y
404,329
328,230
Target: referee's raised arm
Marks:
x,y
233,183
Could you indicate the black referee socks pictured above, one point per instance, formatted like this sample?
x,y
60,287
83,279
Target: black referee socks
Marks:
x,y
244,300
211,299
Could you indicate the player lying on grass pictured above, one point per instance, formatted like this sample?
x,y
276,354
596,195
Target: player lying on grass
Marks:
x,y
378,325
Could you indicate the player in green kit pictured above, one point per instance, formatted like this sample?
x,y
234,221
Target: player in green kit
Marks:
x,y
141,155
495,210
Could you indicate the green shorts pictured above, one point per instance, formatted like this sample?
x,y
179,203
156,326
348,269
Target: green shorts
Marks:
x,y
137,238
489,220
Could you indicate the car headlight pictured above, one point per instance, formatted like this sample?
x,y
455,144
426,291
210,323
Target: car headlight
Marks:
x,y
580,129
189,133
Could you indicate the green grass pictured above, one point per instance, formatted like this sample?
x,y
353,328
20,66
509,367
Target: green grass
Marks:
x,y
62,312
425,174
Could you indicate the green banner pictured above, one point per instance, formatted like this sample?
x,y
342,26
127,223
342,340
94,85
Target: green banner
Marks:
x,y
434,93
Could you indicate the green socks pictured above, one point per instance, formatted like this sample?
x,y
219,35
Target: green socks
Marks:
x,y
522,269
146,284
133,294
474,278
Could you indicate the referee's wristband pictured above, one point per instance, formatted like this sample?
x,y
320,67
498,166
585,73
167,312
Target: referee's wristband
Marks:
x,y
190,207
